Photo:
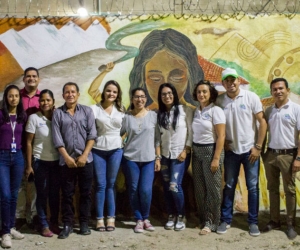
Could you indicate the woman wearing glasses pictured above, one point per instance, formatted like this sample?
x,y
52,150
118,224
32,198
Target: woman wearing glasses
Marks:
x,y
174,122
208,156
142,158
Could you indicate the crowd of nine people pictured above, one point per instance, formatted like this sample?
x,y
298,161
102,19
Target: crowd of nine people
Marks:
x,y
76,142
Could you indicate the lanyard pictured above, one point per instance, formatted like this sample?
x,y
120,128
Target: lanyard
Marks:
x,y
13,126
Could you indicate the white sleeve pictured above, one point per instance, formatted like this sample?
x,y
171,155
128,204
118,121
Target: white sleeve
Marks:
x,y
31,124
218,116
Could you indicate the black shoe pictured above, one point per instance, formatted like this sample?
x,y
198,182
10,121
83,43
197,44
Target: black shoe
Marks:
x,y
84,229
291,233
272,225
19,223
65,232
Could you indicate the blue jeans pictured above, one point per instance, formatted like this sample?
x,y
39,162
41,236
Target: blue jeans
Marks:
x,y
172,172
11,173
232,164
47,179
139,178
106,167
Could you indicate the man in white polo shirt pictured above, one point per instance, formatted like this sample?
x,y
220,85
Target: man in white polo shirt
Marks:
x,y
243,143
282,155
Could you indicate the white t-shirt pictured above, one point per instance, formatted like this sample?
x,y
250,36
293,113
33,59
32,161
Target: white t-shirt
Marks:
x,y
173,142
241,129
283,125
203,124
108,128
43,147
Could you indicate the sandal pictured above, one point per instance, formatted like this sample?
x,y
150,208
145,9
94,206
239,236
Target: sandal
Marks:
x,y
205,231
100,225
46,232
110,224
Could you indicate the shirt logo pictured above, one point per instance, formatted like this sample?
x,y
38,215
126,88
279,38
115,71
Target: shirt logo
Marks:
x,y
206,116
287,117
242,106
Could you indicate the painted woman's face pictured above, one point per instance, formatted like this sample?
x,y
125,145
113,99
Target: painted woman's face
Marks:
x,y
166,67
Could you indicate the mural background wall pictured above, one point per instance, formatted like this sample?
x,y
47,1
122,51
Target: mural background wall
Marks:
x,y
72,49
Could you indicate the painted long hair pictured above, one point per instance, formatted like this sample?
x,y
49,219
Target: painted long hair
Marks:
x,y
163,114
174,42
21,115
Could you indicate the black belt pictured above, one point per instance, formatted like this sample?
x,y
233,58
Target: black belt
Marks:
x,y
283,151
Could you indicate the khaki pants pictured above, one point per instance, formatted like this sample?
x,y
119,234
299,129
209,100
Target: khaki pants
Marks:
x,y
274,165
26,201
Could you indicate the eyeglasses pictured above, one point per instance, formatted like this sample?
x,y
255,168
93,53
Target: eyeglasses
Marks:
x,y
170,94
136,97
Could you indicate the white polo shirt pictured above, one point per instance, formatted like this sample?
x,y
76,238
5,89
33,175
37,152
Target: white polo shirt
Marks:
x,y
241,129
43,147
172,141
108,128
283,125
203,124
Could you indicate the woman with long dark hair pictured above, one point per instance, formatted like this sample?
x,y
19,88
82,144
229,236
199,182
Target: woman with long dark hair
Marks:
x,y
12,119
174,122
142,157
107,152
208,156
43,163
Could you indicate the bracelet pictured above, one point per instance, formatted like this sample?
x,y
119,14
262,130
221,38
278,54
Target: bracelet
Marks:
x,y
158,157
257,146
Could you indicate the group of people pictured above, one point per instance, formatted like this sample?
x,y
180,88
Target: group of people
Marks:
x,y
60,147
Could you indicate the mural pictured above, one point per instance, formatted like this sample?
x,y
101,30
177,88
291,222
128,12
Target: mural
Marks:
x,y
90,52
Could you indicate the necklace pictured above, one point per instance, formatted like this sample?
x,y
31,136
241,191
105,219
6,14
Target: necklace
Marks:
x,y
140,118
140,123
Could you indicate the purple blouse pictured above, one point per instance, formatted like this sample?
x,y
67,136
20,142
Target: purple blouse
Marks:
x,y
6,134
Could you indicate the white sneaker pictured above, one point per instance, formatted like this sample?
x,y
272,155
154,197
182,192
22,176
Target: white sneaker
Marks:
x,y
6,241
180,224
139,228
16,234
148,226
171,222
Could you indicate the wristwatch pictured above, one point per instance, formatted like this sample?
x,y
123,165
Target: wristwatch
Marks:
x,y
297,158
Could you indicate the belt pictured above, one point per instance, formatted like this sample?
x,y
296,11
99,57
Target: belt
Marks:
x,y
283,151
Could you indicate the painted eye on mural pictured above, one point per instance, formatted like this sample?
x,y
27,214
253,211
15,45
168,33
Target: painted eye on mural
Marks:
x,y
177,76
156,78
174,79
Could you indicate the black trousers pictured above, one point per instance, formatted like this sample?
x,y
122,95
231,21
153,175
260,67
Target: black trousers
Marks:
x,y
70,176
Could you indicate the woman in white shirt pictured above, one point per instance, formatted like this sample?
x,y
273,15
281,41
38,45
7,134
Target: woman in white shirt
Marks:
x,y
208,156
42,161
174,121
107,152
